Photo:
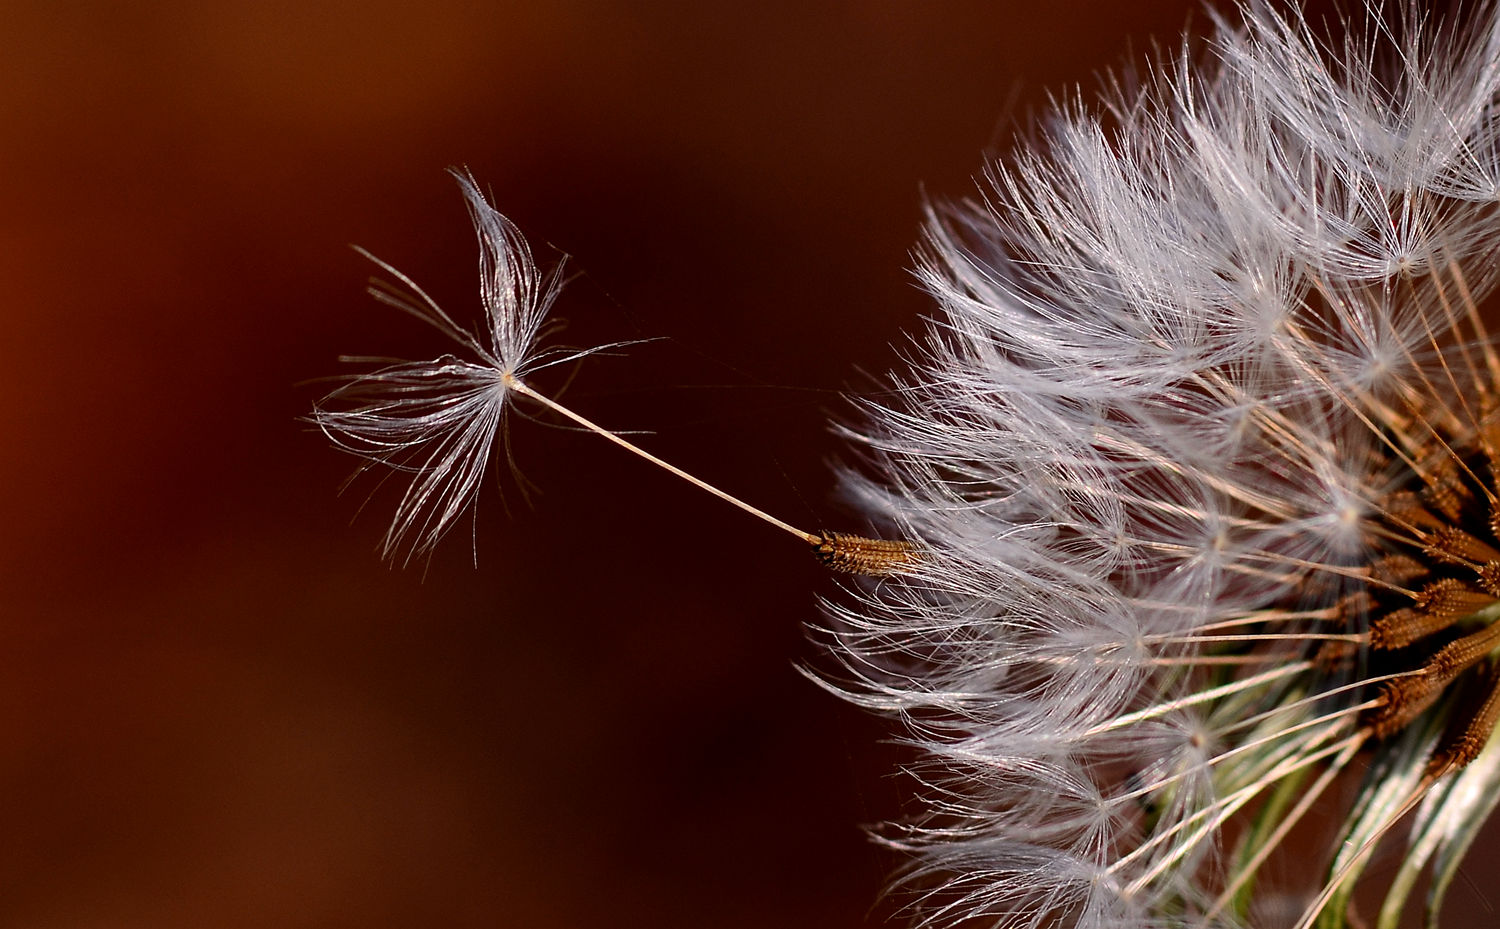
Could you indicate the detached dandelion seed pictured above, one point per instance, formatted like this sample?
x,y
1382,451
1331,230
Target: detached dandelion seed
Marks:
x,y
438,420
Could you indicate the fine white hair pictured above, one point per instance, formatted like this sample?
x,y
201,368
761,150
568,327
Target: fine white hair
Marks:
x,y
438,420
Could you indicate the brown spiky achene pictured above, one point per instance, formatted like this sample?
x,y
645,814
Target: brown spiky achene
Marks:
x,y
852,554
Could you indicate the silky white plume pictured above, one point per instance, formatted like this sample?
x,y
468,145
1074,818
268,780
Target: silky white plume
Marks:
x,y
438,419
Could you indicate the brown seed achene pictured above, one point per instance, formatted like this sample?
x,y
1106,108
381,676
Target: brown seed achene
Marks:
x,y
853,554
1439,605
1470,727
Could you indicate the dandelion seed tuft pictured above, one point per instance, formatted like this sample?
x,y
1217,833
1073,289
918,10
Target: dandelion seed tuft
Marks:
x,y
437,420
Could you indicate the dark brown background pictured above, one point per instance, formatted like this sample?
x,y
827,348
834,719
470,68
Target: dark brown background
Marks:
x,y
217,707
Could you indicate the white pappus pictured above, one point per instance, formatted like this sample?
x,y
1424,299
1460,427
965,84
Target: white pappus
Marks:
x,y
438,420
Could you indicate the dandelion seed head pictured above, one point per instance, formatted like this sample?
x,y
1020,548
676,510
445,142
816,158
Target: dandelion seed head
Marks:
x,y
1202,452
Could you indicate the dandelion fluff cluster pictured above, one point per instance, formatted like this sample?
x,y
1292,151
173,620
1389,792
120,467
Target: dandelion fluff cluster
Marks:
x,y
1201,456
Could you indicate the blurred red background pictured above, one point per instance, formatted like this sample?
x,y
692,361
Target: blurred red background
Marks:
x,y
219,708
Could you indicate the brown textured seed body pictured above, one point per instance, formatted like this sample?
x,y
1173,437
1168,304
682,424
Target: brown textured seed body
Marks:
x,y
1428,601
852,554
